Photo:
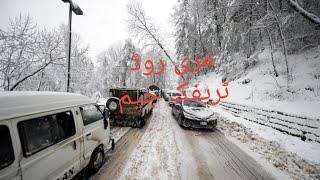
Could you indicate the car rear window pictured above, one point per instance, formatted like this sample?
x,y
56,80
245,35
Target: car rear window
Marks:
x,y
6,149
175,94
120,93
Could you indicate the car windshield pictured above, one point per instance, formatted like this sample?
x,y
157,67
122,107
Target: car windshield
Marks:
x,y
193,103
175,94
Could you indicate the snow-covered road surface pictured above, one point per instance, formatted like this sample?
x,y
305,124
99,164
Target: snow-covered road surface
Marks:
x,y
163,150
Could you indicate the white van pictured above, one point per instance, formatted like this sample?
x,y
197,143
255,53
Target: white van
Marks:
x,y
51,135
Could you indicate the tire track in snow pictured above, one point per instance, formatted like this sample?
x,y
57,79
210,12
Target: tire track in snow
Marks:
x,y
113,166
202,166
155,157
218,158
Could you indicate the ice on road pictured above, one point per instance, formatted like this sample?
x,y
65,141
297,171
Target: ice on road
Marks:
x,y
163,150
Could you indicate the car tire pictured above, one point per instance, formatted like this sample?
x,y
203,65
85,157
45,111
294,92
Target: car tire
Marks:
x,y
96,161
113,99
187,124
141,122
180,120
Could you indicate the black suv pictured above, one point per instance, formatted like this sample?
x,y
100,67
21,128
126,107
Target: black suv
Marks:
x,y
129,106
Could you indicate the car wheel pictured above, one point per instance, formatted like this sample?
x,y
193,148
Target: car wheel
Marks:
x,y
133,124
180,120
141,122
96,161
187,124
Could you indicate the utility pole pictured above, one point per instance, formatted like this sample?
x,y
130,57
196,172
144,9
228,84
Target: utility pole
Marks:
x,y
73,7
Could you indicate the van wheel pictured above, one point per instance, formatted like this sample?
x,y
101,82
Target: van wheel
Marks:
x,y
96,161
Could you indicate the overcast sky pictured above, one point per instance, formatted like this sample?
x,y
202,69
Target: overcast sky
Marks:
x,y
102,24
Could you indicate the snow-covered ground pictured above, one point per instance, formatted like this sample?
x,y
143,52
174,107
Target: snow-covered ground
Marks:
x,y
167,151
289,154
156,155
117,132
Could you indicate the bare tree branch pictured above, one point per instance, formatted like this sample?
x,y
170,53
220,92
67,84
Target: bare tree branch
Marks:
x,y
141,26
310,16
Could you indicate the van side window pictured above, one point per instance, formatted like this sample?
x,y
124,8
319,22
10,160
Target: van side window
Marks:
x,y
6,149
90,114
39,133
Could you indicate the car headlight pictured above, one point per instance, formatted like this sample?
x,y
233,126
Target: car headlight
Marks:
x,y
113,105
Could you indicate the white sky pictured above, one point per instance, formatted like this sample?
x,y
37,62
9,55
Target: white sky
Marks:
x,y
102,24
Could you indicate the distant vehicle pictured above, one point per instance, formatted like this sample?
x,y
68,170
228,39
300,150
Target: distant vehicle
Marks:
x,y
169,93
50,135
155,89
133,115
166,95
164,92
172,94
194,114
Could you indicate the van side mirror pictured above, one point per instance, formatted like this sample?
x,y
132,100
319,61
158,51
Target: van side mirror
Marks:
x,y
105,112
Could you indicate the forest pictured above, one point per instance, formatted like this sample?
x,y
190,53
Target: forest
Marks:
x,y
233,32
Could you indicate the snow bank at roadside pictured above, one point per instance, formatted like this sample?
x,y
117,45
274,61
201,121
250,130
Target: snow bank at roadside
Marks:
x,y
271,146
307,150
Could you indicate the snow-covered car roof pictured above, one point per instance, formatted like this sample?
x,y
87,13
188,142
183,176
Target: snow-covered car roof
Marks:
x,y
17,104
173,91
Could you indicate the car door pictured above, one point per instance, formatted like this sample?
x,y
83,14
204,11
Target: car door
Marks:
x,y
9,163
94,130
50,146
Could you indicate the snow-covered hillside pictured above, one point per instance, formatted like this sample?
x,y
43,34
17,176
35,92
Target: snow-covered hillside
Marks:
x,y
260,88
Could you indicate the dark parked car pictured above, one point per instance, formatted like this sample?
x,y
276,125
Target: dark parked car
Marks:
x,y
194,114
134,115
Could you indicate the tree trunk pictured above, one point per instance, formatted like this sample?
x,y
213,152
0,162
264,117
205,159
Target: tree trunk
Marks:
x,y
284,45
40,83
271,52
310,16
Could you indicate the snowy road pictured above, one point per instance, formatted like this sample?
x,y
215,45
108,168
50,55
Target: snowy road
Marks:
x,y
163,150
